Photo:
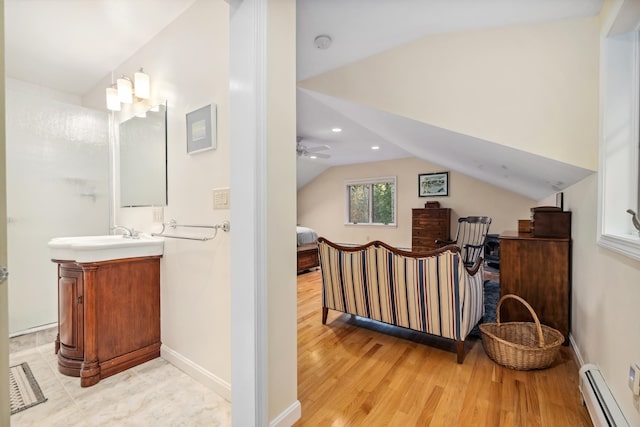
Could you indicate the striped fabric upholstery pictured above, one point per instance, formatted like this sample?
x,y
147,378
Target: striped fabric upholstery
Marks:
x,y
471,235
432,294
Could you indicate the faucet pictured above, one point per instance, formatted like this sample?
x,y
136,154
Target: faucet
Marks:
x,y
129,233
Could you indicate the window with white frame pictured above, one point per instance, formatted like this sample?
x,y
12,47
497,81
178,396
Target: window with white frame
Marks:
x,y
371,201
619,143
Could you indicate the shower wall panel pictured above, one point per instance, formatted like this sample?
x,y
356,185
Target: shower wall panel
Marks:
x,y
57,185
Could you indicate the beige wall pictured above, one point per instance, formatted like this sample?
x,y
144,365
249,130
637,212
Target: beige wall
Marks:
x,y
605,295
530,87
533,88
4,297
281,158
321,203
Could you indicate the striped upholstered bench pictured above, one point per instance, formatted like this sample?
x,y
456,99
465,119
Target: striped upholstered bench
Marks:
x,y
431,292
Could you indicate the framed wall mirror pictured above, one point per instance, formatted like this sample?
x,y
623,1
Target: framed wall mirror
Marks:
x,y
143,159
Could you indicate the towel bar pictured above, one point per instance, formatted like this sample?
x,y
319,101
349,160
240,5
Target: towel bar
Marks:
x,y
225,226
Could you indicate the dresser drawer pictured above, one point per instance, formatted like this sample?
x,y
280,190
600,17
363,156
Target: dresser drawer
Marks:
x,y
427,226
439,233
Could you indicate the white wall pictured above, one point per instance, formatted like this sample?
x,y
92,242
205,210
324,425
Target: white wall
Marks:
x,y
57,185
189,66
188,63
321,203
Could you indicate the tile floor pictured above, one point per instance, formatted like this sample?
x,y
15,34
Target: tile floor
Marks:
x,y
155,393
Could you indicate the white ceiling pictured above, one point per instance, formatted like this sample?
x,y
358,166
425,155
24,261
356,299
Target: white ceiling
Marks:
x,y
518,171
70,45
361,28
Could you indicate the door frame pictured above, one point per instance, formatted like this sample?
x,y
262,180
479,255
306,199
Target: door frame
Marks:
x,y
248,136
4,293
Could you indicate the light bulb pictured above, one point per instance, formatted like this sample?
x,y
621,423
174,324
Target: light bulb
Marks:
x,y
113,103
125,90
141,84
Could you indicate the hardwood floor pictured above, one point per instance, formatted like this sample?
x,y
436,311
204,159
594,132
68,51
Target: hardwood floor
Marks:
x,y
355,372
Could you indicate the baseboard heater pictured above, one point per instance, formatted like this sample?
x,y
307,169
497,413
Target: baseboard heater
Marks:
x,y
603,408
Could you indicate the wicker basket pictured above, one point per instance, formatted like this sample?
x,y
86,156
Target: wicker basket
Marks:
x,y
520,345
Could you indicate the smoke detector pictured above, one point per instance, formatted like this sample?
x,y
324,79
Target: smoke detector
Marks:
x,y
322,42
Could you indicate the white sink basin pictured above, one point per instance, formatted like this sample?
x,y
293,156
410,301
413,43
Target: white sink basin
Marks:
x,y
104,248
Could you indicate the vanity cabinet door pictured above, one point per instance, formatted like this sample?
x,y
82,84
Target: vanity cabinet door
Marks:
x,y
71,312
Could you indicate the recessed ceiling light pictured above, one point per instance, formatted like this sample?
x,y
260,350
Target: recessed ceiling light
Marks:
x,y
336,130
375,147
313,157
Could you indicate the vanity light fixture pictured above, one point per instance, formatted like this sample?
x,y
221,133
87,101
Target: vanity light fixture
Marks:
x,y
126,91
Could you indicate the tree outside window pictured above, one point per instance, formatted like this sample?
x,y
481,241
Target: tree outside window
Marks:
x,y
371,201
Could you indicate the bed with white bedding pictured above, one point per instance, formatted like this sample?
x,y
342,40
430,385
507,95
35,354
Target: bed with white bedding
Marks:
x,y
306,235
307,248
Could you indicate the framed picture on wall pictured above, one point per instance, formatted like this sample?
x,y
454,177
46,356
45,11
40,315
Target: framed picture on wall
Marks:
x,y
433,184
201,129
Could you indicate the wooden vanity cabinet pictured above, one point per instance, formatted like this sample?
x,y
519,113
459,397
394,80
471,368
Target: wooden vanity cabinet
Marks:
x,y
109,316
70,313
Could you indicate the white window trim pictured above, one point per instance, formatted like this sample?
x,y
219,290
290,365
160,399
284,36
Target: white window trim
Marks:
x,y
371,181
618,178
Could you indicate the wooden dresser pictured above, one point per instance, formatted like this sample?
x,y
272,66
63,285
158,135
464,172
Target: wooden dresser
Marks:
x,y
429,225
537,269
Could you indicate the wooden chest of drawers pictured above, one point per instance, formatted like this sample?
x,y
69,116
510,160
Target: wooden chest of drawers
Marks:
x,y
537,269
429,225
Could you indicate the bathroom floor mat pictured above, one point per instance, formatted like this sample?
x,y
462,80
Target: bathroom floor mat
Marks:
x,y
24,389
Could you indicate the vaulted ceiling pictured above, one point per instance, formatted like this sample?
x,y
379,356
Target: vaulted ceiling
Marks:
x,y
359,84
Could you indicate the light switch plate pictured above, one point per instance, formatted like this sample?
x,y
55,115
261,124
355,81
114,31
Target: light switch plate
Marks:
x,y
158,214
221,198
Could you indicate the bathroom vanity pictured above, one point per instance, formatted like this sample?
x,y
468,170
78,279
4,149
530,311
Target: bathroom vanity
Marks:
x,y
108,313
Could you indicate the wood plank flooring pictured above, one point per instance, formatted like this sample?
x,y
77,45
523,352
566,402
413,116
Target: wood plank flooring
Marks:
x,y
355,372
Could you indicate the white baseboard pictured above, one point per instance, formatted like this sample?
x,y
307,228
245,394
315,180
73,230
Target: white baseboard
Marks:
x,y
197,372
285,419
576,350
288,416
32,330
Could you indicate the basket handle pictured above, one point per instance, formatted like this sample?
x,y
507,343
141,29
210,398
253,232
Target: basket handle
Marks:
x,y
541,342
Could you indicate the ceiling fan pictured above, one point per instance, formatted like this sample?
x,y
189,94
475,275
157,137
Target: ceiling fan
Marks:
x,y
311,152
